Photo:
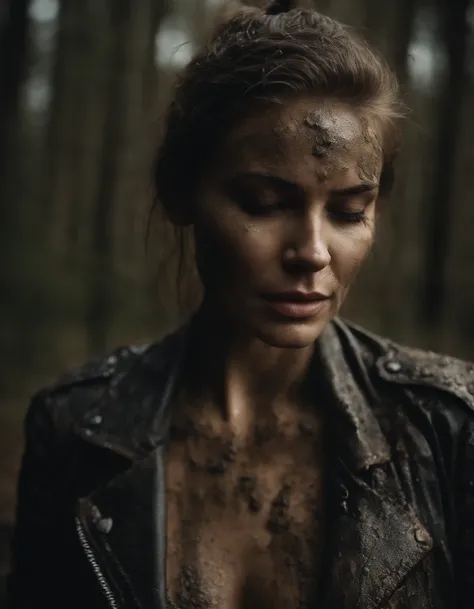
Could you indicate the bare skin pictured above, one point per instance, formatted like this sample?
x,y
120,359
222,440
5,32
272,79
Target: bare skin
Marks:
x,y
244,516
288,204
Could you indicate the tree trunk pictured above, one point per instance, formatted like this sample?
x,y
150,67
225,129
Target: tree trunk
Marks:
x,y
14,26
389,26
138,81
441,202
13,58
153,89
90,116
120,182
61,125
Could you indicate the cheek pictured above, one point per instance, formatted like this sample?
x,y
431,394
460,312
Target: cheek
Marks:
x,y
231,249
348,249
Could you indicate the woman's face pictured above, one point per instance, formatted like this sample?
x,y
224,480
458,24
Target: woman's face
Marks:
x,y
284,218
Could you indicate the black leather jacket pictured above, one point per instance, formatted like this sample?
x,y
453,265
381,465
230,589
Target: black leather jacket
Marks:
x,y
91,515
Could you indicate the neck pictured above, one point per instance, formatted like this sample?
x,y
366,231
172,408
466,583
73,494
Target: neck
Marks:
x,y
241,375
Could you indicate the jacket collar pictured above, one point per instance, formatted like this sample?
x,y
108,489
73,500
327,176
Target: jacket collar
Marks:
x,y
374,535
131,415
360,440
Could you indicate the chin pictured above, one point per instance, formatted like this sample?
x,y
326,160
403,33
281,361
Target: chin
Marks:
x,y
291,335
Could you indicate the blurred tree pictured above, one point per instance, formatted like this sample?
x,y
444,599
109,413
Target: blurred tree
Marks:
x,y
389,25
104,85
14,39
122,157
76,117
13,63
440,195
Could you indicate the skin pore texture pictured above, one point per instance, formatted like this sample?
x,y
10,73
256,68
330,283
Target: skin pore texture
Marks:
x,y
287,204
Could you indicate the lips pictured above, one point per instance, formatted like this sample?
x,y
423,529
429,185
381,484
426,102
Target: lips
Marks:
x,y
297,305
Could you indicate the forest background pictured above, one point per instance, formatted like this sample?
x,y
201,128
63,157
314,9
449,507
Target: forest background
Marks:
x,y
83,89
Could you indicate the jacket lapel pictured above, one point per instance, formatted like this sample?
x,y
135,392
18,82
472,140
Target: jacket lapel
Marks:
x,y
375,538
125,523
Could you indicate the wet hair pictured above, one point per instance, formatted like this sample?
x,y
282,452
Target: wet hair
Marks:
x,y
256,54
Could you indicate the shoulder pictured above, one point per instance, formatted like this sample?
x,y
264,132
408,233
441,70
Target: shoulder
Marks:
x,y
77,390
109,400
98,371
408,366
416,369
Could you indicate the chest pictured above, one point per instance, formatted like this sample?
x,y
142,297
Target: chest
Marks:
x,y
245,525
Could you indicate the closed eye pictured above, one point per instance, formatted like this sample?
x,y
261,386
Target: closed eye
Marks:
x,y
350,205
262,194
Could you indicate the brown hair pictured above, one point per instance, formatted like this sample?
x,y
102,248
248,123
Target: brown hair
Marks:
x,y
257,54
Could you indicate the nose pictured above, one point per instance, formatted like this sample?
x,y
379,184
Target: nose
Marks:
x,y
308,251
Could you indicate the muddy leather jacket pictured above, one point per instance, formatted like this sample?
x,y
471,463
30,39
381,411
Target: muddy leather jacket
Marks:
x,y
91,515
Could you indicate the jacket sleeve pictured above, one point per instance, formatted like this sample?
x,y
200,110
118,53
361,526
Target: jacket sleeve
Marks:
x,y
464,546
43,529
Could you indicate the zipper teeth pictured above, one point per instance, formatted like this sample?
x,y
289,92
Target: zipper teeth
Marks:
x,y
109,595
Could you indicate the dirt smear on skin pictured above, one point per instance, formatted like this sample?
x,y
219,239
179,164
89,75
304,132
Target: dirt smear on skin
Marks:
x,y
370,163
247,486
333,134
275,510
279,520
323,138
190,593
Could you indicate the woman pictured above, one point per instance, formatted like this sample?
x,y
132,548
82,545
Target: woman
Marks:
x,y
266,454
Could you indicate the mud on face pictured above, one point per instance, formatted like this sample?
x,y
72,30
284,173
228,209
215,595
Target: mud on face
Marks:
x,y
299,177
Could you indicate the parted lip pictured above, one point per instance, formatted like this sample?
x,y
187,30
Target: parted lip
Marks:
x,y
296,296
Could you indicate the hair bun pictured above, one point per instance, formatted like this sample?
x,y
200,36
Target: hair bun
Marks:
x,y
279,6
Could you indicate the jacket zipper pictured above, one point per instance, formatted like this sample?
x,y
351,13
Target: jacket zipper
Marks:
x,y
109,595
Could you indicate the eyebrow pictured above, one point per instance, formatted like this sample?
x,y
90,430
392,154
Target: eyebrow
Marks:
x,y
278,181
266,177
355,190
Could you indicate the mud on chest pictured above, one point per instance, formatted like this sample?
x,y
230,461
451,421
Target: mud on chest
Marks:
x,y
240,521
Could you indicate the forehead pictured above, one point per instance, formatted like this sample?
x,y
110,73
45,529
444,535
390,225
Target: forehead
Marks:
x,y
308,131
324,125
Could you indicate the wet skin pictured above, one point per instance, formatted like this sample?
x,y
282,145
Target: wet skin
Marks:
x,y
287,204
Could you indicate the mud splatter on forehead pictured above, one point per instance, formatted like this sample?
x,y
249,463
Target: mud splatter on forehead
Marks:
x,y
285,137
371,136
369,164
307,132
333,137
323,139
369,167
329,131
